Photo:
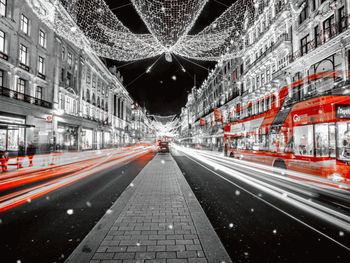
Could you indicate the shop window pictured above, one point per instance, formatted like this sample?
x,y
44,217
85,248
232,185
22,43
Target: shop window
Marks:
x,y
10,138
3,7
304,140
343,140
322,140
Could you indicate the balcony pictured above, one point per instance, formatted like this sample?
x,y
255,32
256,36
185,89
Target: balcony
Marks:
x,y
280,40
3,56
23,97
23,66
319,40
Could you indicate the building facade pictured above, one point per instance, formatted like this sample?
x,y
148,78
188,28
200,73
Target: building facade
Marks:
x,y
54,94
286,41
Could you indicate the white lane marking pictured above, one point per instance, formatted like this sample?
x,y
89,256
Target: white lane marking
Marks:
x,y
273,206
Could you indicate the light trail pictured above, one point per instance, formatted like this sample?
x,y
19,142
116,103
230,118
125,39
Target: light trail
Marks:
x,y
23,196
297,199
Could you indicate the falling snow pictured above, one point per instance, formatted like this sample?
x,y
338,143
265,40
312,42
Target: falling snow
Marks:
x,y
231,225
162,162
274,231
174,77
170,226
341,233
132,185
88,204
29,200
70,211
237,192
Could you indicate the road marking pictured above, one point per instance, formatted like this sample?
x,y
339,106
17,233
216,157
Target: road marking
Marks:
x,y
273,206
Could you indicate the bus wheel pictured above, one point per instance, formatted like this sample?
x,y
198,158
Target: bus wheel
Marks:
x,y
279,163
231,155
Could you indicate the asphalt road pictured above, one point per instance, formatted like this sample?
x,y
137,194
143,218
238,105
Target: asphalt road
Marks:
x,y
256,227
50,227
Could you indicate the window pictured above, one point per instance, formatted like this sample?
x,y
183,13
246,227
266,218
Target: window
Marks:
x,y
342,19
63,53
304,13
21,85
1,78
304,45
3,6
24,24
42,38
69,59
23,54
328,28
317,33
313,3
2,42
39,93
304,140
41,65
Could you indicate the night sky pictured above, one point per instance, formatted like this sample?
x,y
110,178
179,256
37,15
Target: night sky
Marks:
x,y
157,90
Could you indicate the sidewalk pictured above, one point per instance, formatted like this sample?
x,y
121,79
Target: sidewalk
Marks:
x,y
156,219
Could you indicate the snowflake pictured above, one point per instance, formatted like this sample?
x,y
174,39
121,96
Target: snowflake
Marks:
x,y
70,211
174,77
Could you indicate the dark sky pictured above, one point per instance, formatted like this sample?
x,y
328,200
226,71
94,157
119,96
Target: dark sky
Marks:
x,y
157,90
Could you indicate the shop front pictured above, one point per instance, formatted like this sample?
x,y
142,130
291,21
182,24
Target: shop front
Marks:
x,y
87,139
107,142
67,137
12,133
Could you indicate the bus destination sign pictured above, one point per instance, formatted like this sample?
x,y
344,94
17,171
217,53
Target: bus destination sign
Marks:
x,y
342,111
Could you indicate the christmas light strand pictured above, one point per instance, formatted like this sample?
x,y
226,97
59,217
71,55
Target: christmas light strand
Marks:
x,y
91,25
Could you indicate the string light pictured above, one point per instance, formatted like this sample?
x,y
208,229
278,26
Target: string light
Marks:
x,y
91,25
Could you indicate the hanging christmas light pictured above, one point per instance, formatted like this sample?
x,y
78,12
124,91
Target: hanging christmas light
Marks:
x,y
91,25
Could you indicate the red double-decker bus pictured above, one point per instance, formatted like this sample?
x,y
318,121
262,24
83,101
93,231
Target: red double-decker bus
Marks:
x,y
306,128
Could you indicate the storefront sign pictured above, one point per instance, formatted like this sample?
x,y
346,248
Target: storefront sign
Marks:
x,y
342,111
48,118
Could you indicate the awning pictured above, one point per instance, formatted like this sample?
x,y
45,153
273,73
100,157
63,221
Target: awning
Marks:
x,y
10,125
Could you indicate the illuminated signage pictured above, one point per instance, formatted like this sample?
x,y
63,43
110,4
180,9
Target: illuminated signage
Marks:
x,y
342,111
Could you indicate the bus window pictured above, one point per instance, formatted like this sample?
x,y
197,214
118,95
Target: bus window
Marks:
x,y
321,140
290,146
332,141
233,143
343,140
304,142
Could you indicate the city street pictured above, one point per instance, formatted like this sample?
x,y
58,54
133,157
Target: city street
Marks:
x,y
174,131
255,225
49,227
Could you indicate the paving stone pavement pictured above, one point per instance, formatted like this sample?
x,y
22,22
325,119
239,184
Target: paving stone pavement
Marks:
x,y
157,219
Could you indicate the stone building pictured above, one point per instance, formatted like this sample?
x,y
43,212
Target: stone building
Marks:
x,y
285,42
53,93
